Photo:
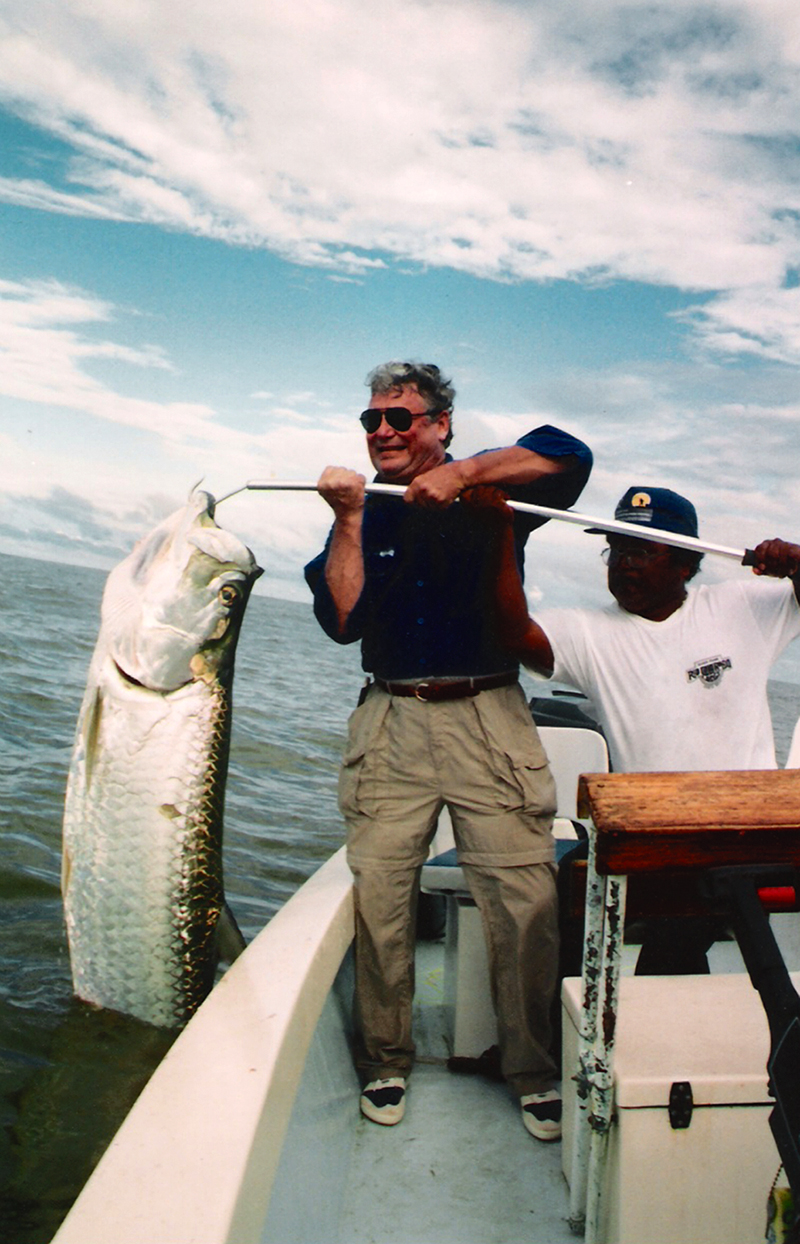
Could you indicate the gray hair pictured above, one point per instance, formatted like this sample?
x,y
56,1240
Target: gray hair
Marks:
x,y
432,386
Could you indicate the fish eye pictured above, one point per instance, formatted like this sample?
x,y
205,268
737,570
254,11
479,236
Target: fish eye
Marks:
x,y
229,594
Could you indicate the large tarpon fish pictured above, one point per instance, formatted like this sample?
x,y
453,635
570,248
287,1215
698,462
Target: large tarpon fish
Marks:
x,y
142,864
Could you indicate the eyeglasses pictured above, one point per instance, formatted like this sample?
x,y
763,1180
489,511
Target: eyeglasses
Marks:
x,y
397,417
631,557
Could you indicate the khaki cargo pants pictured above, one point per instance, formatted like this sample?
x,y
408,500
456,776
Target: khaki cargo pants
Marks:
x,y
482,758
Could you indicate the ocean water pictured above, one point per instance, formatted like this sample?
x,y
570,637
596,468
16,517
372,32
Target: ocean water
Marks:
x,y
68,1074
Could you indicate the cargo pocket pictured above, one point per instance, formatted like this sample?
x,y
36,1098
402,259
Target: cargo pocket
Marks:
x,y
535,783
362,730
520,764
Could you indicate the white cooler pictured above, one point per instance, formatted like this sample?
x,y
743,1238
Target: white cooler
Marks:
x,y
708,1182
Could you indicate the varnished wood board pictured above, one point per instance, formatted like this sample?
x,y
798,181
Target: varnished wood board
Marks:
x,y
652,821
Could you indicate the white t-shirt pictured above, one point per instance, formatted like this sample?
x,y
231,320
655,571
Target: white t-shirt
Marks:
x,y
686,693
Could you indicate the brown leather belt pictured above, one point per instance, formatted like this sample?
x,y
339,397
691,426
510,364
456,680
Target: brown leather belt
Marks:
x,y
456,689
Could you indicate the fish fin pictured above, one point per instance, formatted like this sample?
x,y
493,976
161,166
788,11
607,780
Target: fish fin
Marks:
x,y
66,870
90,730
230,939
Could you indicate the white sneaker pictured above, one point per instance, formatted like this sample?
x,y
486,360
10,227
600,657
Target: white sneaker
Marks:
x,y
541,1114
384,1101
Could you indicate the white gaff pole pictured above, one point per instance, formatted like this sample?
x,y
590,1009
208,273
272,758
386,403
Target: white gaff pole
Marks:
x,y
611,525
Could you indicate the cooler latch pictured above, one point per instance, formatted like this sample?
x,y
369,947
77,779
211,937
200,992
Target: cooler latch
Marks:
x,y
681,1104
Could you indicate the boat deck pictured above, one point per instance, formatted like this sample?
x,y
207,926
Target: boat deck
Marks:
x,y
477,1176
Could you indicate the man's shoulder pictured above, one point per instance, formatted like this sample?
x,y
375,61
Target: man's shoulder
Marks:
x,y
550,442
743,602
752,587
553,442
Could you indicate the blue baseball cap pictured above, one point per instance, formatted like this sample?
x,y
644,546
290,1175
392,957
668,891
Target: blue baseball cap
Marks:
x,y
656,507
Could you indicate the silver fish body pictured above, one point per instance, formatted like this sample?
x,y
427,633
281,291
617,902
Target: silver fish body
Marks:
x,y
142,873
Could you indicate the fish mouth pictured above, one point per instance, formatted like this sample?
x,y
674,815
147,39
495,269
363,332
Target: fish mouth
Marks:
x,y
128,678
130,681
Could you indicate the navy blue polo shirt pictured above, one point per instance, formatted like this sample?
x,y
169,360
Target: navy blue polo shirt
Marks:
x,y
426,607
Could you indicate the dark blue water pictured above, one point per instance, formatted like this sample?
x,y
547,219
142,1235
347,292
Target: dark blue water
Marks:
x,y
68,1074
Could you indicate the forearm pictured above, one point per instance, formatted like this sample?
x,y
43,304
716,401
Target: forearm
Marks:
x,y
343,490
344,569
505,468
508,467
516,629
511,606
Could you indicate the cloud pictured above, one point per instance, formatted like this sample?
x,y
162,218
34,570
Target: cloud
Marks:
x,y
593,141
45,346
73,460
78,436
60,525
25,192
596,142
761,321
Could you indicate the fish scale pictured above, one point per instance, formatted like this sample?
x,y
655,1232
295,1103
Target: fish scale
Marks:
x,y
143,889
165,864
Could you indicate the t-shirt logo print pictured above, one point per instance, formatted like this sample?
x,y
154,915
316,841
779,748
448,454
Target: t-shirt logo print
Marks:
x,y
709,671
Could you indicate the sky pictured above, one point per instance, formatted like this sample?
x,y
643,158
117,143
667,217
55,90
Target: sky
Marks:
x,y
216,219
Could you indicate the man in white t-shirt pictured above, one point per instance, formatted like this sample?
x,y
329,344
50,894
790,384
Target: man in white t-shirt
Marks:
x,y
677,674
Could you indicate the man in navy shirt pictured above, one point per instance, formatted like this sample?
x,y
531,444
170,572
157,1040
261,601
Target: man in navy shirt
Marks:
x,y
443,723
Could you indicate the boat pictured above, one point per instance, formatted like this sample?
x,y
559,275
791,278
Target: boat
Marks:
x,y
249,1130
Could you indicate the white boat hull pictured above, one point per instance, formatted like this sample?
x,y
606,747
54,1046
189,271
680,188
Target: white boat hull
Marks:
x,y
197,1156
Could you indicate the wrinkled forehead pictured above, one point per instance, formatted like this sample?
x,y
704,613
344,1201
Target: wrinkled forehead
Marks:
x,y
398,392
634,543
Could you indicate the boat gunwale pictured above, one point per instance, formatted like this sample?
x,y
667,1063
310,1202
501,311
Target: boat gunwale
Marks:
x,y
195,1159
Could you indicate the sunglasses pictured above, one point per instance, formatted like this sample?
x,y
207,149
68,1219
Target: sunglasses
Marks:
x,y
397,417
613,556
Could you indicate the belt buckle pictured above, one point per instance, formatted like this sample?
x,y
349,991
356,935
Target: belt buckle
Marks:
x,y
418,689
